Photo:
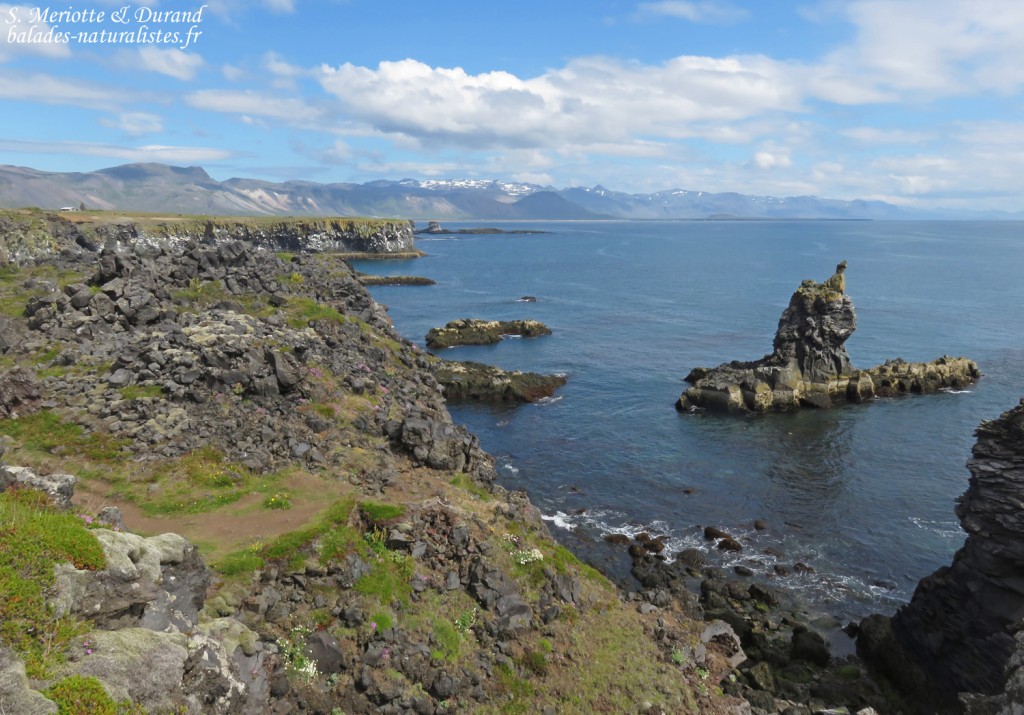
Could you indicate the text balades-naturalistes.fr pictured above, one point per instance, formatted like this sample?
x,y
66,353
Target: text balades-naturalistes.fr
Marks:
x,y
140,34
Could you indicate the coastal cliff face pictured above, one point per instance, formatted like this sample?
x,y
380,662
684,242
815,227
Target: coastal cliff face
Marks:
x,y
27,235
958,629
362,558
809,366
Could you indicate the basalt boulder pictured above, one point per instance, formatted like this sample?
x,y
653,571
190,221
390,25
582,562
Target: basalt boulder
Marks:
x,y
809,365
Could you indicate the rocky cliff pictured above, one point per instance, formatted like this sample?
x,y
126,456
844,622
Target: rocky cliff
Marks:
x,y
809,365
362,558
29,234
957,634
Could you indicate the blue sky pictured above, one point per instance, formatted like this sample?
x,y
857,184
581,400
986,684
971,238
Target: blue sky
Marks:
x,y
916,102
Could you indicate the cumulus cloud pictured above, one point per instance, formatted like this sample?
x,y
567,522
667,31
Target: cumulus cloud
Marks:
x,y
171,62
135,123
717,13
20,36
591,100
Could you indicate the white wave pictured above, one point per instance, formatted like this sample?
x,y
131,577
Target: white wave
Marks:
x,y
951,391
946,529
548,400
560,519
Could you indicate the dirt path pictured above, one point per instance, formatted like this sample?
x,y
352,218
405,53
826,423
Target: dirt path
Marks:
x,y
229,528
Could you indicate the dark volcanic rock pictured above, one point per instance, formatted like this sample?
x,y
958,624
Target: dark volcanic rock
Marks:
x,y
809,365
958,627
475,382
19,393
470,331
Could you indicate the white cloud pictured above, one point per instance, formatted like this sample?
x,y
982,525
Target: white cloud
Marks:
x,y
253,104
934,47
151,152
873,135
171,62
135,123
232,73
716,13
286,6
20,36
590,100
771,160
55,90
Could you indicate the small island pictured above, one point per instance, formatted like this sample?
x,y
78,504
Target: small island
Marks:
x,y
476,382
434,228
809,366
471,331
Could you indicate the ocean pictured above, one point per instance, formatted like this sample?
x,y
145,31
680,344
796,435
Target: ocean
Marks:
x,y
862,494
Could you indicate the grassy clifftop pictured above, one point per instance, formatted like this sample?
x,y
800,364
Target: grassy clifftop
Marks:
x,y
26,234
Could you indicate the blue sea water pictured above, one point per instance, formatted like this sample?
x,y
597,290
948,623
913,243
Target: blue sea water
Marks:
x,y
863,494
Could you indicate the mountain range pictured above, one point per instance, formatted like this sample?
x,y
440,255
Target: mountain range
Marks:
x,y
190,190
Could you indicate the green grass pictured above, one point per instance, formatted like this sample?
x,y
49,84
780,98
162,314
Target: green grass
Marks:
x,y
383,621
81,695
239,563
45,431
389,579
33,538
377,514
134,392
448,641
464,481
302,310
333,536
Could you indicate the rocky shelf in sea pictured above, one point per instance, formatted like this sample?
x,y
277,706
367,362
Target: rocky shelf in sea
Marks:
x,y
434,229
809,365
476,382
370,280
470,331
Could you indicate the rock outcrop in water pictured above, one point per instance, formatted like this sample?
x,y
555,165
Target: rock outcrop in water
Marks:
x,y
475,382
470,331
957,633
809,365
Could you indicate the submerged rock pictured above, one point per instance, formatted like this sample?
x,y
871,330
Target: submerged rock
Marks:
x,y
476,382
809,365
957,633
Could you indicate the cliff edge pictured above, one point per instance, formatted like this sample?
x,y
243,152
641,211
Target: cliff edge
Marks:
x,y
957,634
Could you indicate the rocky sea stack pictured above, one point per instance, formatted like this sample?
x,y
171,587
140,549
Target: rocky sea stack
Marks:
x,y
961,632
809,365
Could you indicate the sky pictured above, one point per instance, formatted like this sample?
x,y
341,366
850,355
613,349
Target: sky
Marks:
x,y
915,102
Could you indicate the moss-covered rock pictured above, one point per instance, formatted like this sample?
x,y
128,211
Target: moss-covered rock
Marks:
x,y
471,331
